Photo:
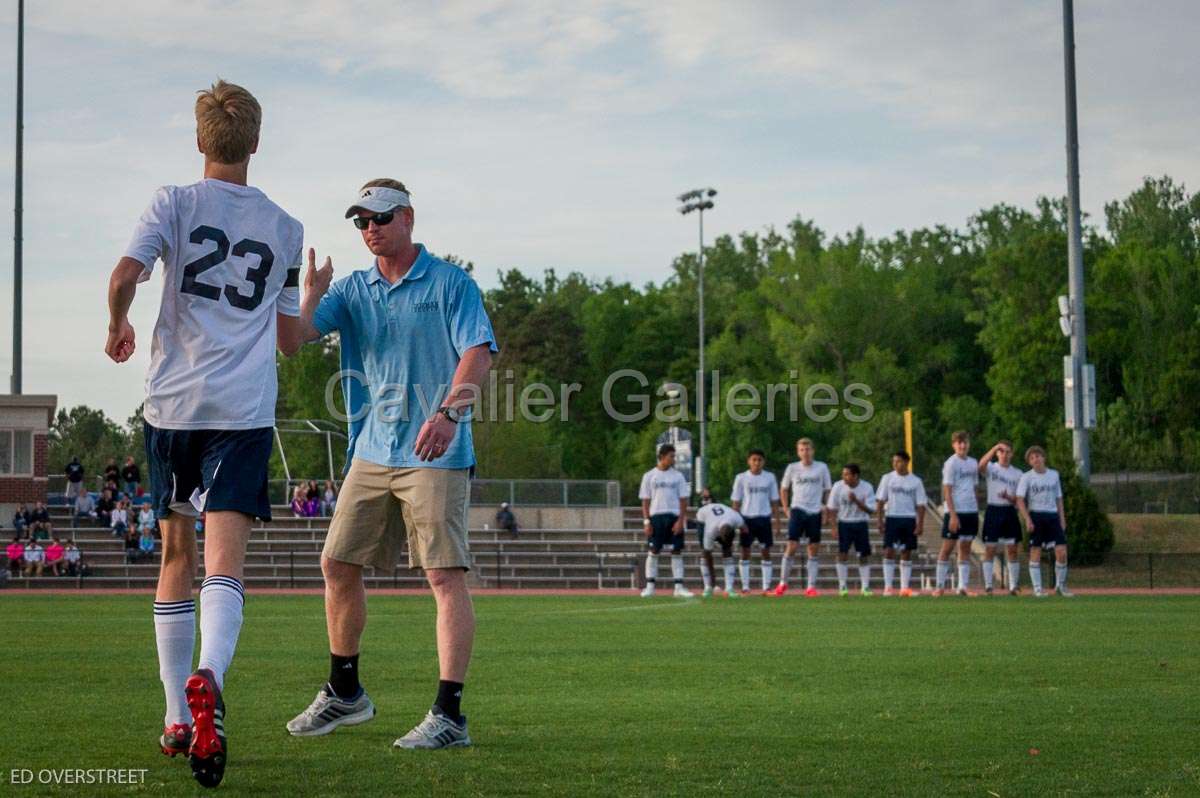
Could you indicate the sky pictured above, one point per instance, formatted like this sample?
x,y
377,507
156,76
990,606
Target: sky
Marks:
x,y
539,135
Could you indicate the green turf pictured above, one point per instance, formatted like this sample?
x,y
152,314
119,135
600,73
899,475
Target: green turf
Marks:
x,y
618,696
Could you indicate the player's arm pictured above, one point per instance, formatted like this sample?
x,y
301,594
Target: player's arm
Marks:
x,y
1023,509
1062,515
987,458
122,285
679,522
438,431
948,498
646,516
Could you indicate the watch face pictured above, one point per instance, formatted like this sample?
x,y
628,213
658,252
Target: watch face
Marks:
x,y
452,414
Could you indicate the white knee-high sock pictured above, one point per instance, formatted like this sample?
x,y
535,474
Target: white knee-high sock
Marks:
x,y
964,575
221,600
730,572
651,568
905,574
175,634
943,571
814,567
677,569
785,569
1060,575
1035,575
864,575
843,573
1014,574
744,567
989,570
767,569
706,574
889,572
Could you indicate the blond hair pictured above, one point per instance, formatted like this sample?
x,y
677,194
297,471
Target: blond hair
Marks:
x,y
804,442
228,119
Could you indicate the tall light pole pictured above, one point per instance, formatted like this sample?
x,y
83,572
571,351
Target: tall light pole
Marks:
x,y
1081,380
700,200
16,361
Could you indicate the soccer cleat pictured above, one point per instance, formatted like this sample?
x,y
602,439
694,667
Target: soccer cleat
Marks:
x,y
887,592
906,593
745,591
648,591
436,731
769,592
328,711
1064,592
1014,591
175,739
938,593
866,591
1039,593
843,592
707,593
781,588
987,591
733,594
683,592
962,591
812,592
209,749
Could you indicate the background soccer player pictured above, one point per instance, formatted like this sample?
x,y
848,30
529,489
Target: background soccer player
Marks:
x,y
960,523
901,503
230,294
804,488
852,500
1040,501
756,497
664,496
718,523
1001,525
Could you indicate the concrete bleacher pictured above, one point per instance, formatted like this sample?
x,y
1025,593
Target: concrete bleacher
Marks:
x,y
285,553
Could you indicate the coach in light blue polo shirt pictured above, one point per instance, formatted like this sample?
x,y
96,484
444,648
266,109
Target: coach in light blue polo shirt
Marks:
x,y
416,345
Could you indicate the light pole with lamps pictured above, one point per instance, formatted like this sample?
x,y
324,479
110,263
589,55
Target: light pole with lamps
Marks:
x,y
700,200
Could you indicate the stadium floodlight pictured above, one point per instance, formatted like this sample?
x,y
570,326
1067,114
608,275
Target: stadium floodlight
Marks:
x,y
1064,306
1064,324
695,200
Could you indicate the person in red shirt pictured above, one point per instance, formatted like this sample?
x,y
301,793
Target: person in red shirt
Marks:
x,y
16,553
54,558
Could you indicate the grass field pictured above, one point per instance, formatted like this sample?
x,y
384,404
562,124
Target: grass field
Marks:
x,y
1094,696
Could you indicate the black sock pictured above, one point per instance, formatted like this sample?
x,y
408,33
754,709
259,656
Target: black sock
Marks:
x,y
448,699
343,676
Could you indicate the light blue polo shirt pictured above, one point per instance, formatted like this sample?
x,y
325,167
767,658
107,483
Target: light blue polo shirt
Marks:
x,y
400,346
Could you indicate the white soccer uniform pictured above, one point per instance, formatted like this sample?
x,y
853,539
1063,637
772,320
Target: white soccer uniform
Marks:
x,y
756,492
231,262
714,516
903,494
848,511
1041,492
1001,480
806,485
34,554
962,474
664,489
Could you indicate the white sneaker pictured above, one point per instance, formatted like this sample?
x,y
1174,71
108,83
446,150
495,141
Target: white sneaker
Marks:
x,y
648,591
683,592
1064,592
327,712
436,731
1039,593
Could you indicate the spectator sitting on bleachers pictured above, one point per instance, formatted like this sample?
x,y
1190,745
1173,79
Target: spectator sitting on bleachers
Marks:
x,y
72,556
506,520
299,501
74,472
146,544
119,520
133,551
54,557
85,506
145,519
329,498
39,522
311,490
20,520
111,472
16,555
132,477
35,556
105,506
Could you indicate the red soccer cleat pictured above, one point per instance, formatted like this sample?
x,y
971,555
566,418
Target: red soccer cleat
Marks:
x,y
175,739
781,588
906,593
811,592
209,747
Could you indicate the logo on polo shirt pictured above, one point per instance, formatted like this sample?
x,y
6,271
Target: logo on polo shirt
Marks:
x,y
425,307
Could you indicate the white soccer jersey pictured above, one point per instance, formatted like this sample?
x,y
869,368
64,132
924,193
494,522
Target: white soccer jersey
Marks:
x,y
755,492
1002,480
664,489
806,485
714,516
1041,492
34,554
903,494
231,261
962,474
848,511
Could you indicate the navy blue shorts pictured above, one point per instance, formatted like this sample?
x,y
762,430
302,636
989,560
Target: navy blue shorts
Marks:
x,y
804,526
662,533
1001,523
854,534
968,526
225,469
1047,532
759,529
900,533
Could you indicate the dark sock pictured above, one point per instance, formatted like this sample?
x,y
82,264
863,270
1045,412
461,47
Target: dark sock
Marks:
x,y
343,676
449,698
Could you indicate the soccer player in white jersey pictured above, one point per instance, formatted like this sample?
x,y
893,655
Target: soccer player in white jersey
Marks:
x,y
664,496
718,523
1040,502
230,295
803,489
960,522
756,497
851,502
900,500
1001,524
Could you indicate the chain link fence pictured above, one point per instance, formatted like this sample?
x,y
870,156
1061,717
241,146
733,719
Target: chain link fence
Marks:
x,y
1147,492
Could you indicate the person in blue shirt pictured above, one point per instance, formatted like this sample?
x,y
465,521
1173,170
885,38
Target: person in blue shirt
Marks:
x,y
416,344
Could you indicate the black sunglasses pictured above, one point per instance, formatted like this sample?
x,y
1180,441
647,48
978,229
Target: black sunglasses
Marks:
x,y
380,219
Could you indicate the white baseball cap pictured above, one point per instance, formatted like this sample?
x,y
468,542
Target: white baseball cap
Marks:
x,y
379,199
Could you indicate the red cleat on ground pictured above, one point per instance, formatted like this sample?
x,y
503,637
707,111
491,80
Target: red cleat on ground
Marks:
x,y
175,739
812,592
906,593
781,588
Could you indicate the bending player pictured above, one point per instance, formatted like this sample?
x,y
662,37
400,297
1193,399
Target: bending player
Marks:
x,y
901,502
960,523
231,264
756,497
664,496
1001,524
1040,501
718,522
803,489
852,500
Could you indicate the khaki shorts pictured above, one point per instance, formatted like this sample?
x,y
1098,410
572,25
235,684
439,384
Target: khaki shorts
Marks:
x,y
379,506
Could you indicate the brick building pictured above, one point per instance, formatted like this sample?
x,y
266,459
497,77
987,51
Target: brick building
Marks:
x,y
24,429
